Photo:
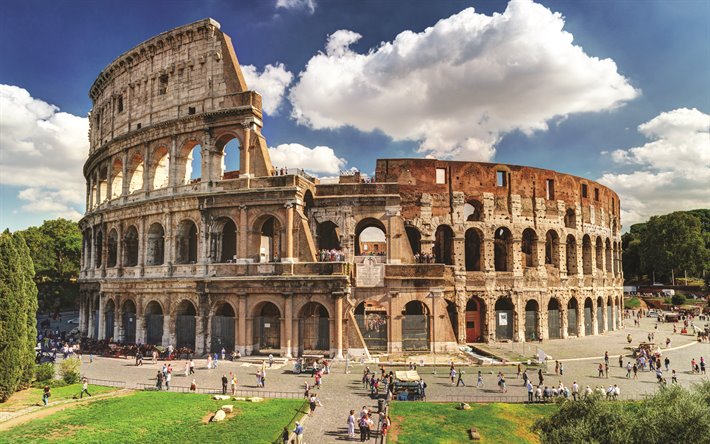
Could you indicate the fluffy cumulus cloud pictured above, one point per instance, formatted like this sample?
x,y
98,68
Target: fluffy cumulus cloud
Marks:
x,y
321,159
42,151
270,83
459,85
672,170
305,5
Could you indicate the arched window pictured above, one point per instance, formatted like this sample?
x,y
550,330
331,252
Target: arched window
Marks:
x,y
224,240
328,235
570,218
223,329
532,320
588,317
314,327
571,255
185,325
528,247
129,322
503,245
186,242
370,238
415,239
130,247
135,171
229,147
444,245
473,211
99,245
474,250
154,323
552,249
600,254
193,164
116,179
155,248
161,168
415,326
112,248
505,317
270,244
267,328
554,320
572,308
609,264
587,254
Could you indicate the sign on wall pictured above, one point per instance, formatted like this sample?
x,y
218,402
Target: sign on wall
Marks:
x,y
370,273
502,318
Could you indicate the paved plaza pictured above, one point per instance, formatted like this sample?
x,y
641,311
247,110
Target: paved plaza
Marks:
x,y
342,392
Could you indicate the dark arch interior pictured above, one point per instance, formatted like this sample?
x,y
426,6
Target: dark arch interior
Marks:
x,y
153,308
130,245
229,241
225,310
572,304
444,245
415,239
502,249
269,309
186,243
186,308
328,236
473,250
415,308
504,304
532,305
553,304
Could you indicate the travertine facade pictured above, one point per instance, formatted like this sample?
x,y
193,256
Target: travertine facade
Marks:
x,y
179,251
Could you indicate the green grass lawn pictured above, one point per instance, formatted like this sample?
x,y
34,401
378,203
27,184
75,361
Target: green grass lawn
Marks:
x,y
158,417
420,422
33,396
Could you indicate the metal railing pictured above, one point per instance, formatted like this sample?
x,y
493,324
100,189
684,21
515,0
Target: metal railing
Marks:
x,y
517,399
218,391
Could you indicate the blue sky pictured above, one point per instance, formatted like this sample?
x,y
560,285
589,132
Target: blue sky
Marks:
x,y
51,52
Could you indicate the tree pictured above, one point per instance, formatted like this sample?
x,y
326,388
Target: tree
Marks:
x,y
678,299
18,310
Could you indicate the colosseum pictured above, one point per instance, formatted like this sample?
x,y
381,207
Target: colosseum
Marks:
x,y
192,238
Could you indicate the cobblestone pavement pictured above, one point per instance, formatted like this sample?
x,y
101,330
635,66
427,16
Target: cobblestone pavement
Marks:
x,y
342,392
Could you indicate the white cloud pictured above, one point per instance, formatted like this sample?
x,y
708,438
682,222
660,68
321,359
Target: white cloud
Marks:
x,y
271,84
459,85
321,159
674,167
307,5
42,151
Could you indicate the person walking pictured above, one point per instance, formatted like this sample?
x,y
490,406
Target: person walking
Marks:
x,y
628,369
364,427
452,374
540,377
312,403
225,381
621,361
575,390
85,388
562,369
351,424
460,380
159,380
299,433
187,369
285,436
46,395
192,366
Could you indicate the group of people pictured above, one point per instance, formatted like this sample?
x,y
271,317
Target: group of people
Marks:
x,y
424,258
332,255
365,423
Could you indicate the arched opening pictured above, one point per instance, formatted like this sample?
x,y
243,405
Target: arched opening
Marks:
x,y
130,247
155,248
223,241
473,211
102,191
229,146
267,329
571,255
109,319
223,328
185,325
609,315
99,245
554,319
600,315
161,168
270,243
474,249
154,323
588,321
532,320
570,218
600,254
193,165
135,172
528,247
572,308
452,311
308,203
552,249
444,245
475,314
186,242
586,255
371,319
502,247
415,326
370,238
116,178
112,255
314,328
328,235
505,312
415,239
129,322
609,264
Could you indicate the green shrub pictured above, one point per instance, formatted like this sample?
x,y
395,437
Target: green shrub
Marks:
x,y
678,299
632,303
69,369
44,372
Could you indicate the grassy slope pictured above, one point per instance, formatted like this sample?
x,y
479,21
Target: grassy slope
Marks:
x,y
416,422
33,396
158,417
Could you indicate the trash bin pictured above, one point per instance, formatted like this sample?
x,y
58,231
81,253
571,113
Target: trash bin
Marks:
x,y
380,405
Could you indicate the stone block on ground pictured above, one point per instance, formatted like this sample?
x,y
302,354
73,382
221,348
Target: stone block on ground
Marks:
x,y
229,408
475,436
220,397
255,399
219,416
239,398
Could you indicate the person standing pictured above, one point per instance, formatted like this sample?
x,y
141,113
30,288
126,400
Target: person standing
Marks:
x,y
85,388
187,369
575,390
299,433
168,377
562,369
234,384
529,387
159,380
225,381
285,435
479,381
452,374
540,377
209,362
46,395
621,361
351,424
192,366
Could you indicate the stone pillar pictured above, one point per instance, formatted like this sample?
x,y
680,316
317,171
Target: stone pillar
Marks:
x,y
82,312
147,168
544,326
580,319
242,316
174,162
168,331
516,259
243,242
140,328
201,334
117,320
124,181
289,324
245,157
91,320
461,314
488,259
339,324
102,316
141,243
287,254
613,314
92,260
564,321
595,320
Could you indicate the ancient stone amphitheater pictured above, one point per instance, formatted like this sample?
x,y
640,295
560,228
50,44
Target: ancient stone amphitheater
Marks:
x,y
193,239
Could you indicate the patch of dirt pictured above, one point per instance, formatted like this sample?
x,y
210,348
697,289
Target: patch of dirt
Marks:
x,y
67,431
19,400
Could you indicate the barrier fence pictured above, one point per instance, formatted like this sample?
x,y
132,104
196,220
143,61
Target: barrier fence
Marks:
x,y
518,399
218,391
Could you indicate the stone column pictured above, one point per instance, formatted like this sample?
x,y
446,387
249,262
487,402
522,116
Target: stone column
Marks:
x,y
289,324
564,321
517,258
201,334
91,320
82,312
124,180
544,325
117,320
242,316
102,316
245,157
488,259
339,324
140,328
243,242
613,314
287,254
92,260
580,319
595,320
461,314
168,331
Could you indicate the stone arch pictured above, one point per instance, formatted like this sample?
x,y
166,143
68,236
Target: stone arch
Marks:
x,y
414,236
109,319
532,320
130,247
599,256
415,326
267,327
313,327
444,245
153,323
99,247
588,317
503,249
571,255
128,321
135,173
474,249
223,240
186,242
328,235
570,218
308,203
552,248
155,245
473,210
112,244
189,166
572,316
229,146
270,229
528,247
116,178
160,168
222,327
505,318
185,324
475,319
607,257
587,255
372,320
370,237
554,319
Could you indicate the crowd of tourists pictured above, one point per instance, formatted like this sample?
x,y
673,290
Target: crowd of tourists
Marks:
x,y
333,255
